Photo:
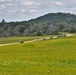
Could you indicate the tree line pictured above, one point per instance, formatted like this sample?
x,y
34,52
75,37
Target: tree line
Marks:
x,y
53,23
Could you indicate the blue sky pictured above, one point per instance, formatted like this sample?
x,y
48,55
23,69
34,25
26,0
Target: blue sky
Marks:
x,y
20,10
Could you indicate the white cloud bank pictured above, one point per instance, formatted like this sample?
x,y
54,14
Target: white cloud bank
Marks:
x,y
27,9
5,0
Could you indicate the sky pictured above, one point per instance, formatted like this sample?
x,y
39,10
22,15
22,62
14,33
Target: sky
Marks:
x,y
21,10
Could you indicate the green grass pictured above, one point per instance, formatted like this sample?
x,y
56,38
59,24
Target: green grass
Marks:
x,y
49,57
5,40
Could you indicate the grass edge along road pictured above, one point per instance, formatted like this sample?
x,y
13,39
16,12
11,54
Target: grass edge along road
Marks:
x,y
67,35
19,43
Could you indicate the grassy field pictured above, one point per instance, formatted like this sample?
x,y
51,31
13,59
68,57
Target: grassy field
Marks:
x,y
48,57
5,40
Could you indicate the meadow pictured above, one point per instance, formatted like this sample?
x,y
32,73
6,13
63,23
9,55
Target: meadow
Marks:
x,y
5,40
47,57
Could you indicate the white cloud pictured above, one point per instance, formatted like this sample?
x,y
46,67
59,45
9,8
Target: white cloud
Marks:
x,y
5,0
29,3
32,8
34,11
59,3
10,4
11,11
23,10
74,9
2,6
73,1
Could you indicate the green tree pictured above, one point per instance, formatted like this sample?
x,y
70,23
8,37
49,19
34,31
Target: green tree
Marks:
x,y
61,26
72,30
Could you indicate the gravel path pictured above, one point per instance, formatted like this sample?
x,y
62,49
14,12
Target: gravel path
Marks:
x,y
67,35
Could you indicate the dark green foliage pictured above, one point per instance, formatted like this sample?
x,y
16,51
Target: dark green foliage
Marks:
x,y
3,21
52,23
72,30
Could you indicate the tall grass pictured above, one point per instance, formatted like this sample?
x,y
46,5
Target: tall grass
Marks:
x,y
49,57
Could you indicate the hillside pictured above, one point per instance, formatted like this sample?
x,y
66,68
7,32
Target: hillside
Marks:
x,y
56,17
52,23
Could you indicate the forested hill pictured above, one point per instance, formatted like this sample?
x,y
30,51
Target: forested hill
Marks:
x,y
56,17
52,23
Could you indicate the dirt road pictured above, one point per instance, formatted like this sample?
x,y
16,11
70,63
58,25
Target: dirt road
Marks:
x,y
67,35
17,43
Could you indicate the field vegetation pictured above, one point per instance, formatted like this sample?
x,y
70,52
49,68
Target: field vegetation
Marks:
x,y
47,57
5,40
